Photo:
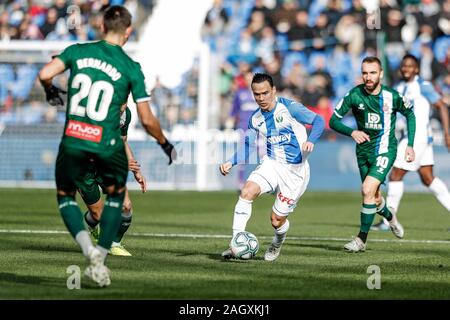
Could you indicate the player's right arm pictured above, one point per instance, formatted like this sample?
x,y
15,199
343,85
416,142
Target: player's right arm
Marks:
x,y
46,75
336,124
243,153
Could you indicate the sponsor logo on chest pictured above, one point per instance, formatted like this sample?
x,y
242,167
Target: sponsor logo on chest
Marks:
x,y
280,138
373,121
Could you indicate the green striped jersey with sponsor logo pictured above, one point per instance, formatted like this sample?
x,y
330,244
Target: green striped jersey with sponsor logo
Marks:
x,y
376,116
102,76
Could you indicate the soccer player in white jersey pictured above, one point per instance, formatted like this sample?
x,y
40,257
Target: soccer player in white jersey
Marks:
x,y
422,94
285,169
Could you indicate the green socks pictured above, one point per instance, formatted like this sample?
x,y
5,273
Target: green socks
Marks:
x,y
71,214
367,215
110,220
125,223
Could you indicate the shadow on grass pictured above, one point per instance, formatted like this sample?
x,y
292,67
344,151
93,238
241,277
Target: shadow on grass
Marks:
x,y
51,248
327,247
27,279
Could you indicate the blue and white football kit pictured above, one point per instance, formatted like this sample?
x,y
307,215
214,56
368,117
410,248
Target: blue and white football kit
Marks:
x,y
284,169
422,94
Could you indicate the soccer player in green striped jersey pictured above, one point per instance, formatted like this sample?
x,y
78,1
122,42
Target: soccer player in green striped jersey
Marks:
x,y
374,107
90,192
101,78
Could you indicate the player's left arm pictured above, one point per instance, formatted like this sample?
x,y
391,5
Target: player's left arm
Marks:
x,y
134,166
405,107
305,116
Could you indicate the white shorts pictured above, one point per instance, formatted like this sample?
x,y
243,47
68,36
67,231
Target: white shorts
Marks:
x,y
289,181
424,156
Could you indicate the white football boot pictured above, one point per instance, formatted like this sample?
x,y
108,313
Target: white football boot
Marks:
x,y
272,252
97,271
227,254
356,245
396,227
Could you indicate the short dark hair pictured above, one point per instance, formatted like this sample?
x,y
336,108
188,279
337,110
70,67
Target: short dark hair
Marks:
x,y
116,19
372,59
261,77
410,56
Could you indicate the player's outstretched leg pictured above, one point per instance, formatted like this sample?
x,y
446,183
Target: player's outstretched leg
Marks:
x,y
273,251
389,219
242,213
117,249
358,244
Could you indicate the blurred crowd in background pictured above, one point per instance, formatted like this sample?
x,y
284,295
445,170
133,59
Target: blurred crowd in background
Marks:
x,y
312,48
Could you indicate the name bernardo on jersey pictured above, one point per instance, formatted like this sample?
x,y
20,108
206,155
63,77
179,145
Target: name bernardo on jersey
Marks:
x,y
99,65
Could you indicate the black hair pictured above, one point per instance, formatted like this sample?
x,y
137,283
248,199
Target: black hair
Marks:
x,y
261,77
412,57
116,19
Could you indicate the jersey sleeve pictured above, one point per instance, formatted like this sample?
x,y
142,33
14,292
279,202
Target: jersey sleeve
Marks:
x,y
124,128
428,91
343,106
340,111
138,88
300,113
68,55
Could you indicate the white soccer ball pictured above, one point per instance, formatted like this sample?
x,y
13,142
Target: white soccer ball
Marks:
x,y
244,245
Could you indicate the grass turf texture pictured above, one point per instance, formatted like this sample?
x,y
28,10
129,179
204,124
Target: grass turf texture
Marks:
x,y
33,266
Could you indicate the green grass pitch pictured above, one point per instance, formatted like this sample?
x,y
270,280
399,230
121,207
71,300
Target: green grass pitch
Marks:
x,y
176,239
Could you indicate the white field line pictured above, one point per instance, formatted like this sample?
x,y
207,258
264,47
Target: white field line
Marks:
x,y
223,236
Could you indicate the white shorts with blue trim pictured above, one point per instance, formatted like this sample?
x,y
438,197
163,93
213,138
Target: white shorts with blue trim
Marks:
x,y
288,181
424,156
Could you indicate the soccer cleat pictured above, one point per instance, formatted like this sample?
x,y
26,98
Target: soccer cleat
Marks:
x,y
97,271
356,245
118,250
396,228
227,254
272,252
380,226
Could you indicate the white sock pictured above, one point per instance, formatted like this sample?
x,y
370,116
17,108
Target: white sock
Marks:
x,y
242,213
395,194
84,240
103,251
280,234
441,192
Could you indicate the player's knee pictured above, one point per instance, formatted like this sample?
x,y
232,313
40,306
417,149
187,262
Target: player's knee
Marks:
x,y
396,175
248,193
367,191
427,180
277,221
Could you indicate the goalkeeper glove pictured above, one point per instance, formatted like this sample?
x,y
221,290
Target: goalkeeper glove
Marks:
x,y
169,150
52,95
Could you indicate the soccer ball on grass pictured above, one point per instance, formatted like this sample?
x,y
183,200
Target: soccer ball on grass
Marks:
x,y
244,245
